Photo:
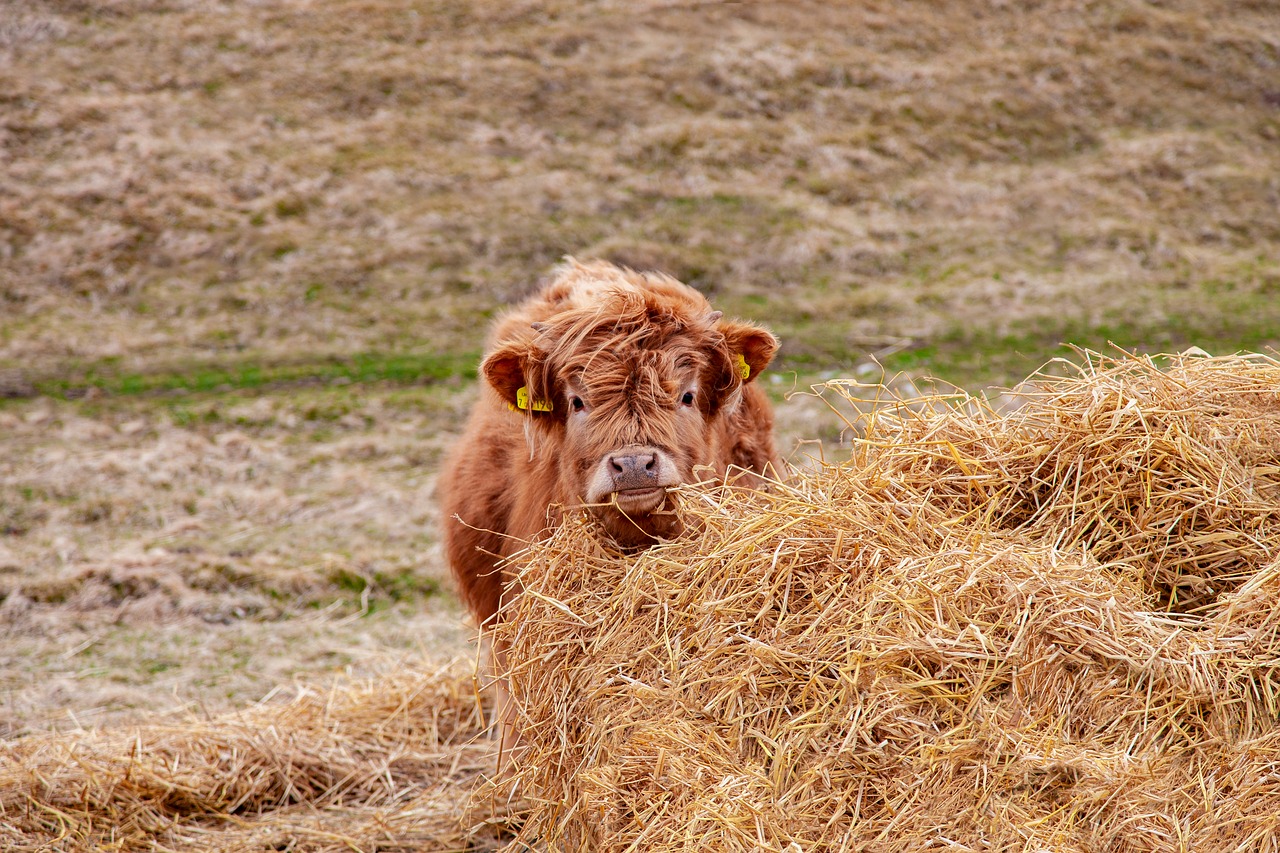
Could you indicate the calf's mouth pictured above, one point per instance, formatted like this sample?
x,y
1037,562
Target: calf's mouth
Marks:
x,y
639,501
627,492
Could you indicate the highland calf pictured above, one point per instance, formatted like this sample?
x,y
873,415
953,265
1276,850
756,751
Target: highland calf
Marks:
x,y
604,390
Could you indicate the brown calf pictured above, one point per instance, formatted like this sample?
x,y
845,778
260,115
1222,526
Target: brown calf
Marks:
x,y
605,389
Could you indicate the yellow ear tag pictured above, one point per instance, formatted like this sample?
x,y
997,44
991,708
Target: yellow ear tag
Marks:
x,y
522,400
743,367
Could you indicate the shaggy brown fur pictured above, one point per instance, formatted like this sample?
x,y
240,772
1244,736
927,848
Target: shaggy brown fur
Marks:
x,y
604,389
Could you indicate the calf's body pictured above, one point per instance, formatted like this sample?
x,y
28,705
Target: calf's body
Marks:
x,y
603,390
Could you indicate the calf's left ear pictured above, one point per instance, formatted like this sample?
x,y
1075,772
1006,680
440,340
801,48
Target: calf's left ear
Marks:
x,y
508,371
751,347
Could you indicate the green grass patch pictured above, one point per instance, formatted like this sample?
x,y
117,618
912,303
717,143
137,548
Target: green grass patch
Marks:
x,y
105,377
972,360
378,590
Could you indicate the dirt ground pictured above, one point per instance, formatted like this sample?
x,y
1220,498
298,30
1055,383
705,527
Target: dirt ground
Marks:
x,y
148,564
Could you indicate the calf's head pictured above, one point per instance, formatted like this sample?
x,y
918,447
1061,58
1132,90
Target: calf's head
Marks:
x,y
624,394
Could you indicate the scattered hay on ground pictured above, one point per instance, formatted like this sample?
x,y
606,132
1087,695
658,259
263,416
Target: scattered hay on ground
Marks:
x,y
964,638
385,765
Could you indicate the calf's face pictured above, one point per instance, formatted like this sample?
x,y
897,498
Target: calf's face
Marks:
x,y
626,401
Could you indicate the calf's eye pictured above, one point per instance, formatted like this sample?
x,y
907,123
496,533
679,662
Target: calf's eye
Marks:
x,y
577,404
687,399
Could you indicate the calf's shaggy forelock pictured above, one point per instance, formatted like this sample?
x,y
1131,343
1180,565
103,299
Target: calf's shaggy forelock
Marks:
x,y
605,389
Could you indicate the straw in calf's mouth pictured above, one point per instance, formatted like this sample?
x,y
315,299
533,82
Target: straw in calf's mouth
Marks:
x,y
638,501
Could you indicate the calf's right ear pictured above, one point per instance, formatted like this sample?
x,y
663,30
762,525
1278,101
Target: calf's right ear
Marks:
x,y
509,369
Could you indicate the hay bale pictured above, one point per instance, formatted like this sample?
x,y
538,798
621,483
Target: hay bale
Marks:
x,y
382,765
1174,468
958,640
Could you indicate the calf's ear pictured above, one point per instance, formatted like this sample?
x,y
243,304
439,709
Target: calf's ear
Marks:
x,y
510,370
750,347
503,369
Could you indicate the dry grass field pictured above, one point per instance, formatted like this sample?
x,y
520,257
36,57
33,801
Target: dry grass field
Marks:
x,y
259,184
248,251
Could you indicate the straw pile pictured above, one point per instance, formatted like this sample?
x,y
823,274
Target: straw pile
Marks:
x,y
1174,470
1057,629
380,766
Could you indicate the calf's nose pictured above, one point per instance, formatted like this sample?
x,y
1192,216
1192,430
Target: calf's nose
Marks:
x,y
634,470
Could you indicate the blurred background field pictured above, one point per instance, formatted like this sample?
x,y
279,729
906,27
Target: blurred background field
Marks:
x,y
248,251
269,187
